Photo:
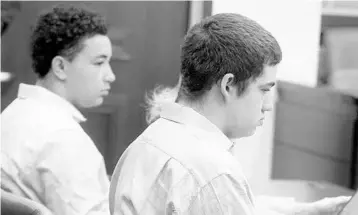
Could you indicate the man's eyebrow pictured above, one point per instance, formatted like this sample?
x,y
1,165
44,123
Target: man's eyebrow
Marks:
x,y
102,56
270,84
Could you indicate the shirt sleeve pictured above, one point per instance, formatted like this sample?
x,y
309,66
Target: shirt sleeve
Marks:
x,y
73,174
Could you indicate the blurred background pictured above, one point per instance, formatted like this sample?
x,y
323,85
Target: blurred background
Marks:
x,y
312,133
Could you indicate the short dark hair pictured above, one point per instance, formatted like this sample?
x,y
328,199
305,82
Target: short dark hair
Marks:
x,y
225,43
61,31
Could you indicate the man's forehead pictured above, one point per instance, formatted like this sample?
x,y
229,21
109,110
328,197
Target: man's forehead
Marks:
x,y
98,46
268,75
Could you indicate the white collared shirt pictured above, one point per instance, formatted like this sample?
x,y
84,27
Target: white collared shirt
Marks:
x,y
181,164
47,157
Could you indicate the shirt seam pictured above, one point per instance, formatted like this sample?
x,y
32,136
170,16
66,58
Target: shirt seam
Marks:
x,y
160,173
171,157
189,172
216,196
201,189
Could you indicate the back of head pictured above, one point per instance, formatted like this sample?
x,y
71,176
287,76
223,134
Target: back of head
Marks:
x,y
219,44
60,31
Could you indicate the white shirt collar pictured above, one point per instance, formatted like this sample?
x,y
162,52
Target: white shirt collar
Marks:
x,y
187,116
50,98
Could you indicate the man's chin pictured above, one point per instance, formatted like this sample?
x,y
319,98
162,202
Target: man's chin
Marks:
x,y
250,132
243,134
98,102
92,104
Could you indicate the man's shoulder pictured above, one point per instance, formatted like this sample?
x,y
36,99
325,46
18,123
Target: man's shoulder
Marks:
x,y
149,153
23,113
164,133
185,150
28,124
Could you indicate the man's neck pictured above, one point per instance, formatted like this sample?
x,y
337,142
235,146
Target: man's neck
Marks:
x,y
208,109
52,86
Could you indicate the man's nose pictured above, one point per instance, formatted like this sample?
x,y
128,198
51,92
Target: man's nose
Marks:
x,y
268,103
110,77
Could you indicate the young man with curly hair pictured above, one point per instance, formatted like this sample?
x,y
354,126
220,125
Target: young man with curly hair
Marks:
x,y
46,155
183,162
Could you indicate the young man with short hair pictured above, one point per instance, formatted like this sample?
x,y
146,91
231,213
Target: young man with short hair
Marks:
x,y
182,163
46,155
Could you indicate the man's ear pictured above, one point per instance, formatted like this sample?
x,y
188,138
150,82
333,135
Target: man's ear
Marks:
x,y
227,86
58,66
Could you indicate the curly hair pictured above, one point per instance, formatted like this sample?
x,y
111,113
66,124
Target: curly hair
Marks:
x,y
61,31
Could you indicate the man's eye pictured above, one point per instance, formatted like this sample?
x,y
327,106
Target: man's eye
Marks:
x,y
98,63
266,90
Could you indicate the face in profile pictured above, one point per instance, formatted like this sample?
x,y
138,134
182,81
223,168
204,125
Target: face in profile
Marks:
x,y
247,111
89,75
